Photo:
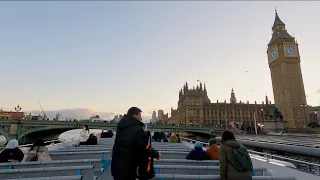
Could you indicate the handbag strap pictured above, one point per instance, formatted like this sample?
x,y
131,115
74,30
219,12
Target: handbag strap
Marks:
x,y
149,137
37,150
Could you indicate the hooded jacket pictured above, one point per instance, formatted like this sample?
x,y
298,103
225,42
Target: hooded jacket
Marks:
x,y
12,152
129,149
213,152
227,171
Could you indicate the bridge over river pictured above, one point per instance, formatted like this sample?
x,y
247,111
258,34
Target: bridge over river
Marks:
x,y
18,129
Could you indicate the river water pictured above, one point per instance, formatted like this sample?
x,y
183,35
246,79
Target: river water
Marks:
x,y
66,136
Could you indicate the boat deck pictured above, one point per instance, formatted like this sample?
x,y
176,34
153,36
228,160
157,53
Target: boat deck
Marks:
x,y
310,142
93,163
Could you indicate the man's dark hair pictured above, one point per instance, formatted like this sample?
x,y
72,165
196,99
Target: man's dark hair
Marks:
x,y
227,135
133,111
38,142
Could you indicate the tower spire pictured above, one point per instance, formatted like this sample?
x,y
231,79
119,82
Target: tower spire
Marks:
x,y
277,21
204,88
233,99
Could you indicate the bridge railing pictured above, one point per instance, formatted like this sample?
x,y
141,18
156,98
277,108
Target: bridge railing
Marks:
x,y
85,122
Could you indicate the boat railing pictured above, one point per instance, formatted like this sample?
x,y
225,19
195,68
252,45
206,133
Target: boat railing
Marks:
x,y
46,143
268,156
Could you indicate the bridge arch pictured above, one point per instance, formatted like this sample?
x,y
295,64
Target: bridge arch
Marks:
x,y
43,129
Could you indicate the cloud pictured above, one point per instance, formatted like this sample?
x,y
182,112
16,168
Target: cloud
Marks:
x,y
77,113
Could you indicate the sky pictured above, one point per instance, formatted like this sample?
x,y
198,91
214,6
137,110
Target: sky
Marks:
x,y
109,56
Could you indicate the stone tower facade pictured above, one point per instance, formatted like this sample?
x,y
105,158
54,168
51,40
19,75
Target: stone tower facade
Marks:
x,y
286,76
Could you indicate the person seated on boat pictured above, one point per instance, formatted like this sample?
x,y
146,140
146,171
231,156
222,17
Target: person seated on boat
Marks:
x,y
231,168
179,141
110,133
92,140
154,153
38,152
198,153
156,137
11,153
164,137
174,138
213,150
103,134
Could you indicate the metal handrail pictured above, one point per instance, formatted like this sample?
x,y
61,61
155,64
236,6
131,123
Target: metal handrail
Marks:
x,y
265,154
284,158
28,145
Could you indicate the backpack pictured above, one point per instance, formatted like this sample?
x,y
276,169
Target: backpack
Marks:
x,y
33,157
148,171
242,160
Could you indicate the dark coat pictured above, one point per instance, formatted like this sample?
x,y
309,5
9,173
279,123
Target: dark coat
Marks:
x,y
227,171
9,155
198,154
92,140
129,150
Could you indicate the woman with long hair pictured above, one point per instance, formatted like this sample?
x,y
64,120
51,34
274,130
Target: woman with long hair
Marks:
x,y
38,152
228,170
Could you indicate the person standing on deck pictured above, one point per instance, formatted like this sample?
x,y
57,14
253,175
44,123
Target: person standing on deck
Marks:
x,y
129,149
235,162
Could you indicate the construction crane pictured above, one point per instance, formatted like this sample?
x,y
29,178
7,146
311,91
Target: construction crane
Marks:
x,y
44,115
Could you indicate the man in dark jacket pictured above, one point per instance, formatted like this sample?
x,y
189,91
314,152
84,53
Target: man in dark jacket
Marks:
x,y
129,149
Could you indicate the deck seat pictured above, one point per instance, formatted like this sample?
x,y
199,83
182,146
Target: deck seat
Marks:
x,y
213,177
80,155
110,149
186,162
173,155
87,172
199,170
52,178
56,163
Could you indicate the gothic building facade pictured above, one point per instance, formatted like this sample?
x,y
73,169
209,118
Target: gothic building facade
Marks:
x,y
195,107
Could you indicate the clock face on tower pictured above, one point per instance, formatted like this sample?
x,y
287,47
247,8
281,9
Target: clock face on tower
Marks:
x,y
290,50
273,54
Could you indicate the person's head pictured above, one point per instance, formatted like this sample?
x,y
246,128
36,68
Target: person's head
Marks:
x,y
212,141
227,135
198,144
172,135
12,144
135,113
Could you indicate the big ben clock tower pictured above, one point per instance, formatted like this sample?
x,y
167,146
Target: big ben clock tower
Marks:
x,y
286,76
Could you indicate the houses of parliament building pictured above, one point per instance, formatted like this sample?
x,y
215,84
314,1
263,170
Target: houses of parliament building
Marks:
x,y
194,106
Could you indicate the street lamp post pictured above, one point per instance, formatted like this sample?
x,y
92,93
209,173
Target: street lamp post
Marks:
x,y
16,114
304,113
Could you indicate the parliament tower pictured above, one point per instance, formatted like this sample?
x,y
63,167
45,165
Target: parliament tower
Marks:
x,y
286,75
